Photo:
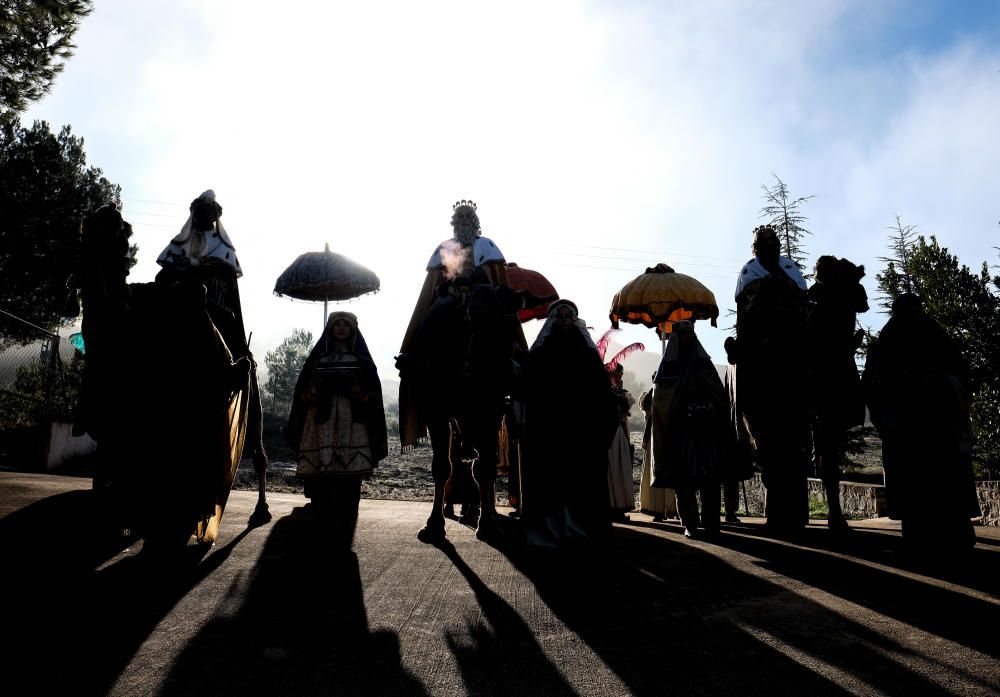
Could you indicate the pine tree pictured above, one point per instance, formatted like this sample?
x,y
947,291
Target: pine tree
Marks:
x,y
36,39
46,188
782,212
967,308
902,240
285,363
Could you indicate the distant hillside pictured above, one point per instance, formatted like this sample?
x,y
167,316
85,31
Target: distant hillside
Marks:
x,y
642,365
390,391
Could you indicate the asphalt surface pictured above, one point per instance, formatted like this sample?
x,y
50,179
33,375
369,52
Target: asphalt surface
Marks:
x,y
280,610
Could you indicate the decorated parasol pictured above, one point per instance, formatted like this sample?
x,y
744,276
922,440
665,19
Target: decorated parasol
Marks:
x,y
325,276
660,297
520,278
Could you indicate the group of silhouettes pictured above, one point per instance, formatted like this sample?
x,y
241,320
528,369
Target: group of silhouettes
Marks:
x,y
552,416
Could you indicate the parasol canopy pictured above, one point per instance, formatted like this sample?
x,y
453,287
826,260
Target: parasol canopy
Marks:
x,y
535,283
660,297
325,276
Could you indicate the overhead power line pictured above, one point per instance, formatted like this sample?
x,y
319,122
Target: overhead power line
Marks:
x,y
658,253
603,256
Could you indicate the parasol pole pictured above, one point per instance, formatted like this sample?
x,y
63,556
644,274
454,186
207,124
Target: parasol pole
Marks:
x,y
326,248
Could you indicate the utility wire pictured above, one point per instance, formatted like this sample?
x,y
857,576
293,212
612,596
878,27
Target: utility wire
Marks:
x,y
603,256
646,251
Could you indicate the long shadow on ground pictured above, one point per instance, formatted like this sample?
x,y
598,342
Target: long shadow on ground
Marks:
x,y
70,625
864,568
671,617
299,628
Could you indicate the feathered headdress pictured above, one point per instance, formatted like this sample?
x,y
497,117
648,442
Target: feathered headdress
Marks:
x,y
602,349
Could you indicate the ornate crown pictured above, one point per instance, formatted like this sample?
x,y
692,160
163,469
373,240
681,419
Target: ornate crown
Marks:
x,y
464,204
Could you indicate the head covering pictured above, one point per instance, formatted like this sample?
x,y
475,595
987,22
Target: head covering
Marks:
x,y
551,320
907,305
369,383
348,317
199,245
754,270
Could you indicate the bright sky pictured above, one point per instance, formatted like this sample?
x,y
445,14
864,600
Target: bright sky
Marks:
x,y
597,137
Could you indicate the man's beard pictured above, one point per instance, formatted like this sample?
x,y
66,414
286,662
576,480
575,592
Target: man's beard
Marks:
x,y
466,235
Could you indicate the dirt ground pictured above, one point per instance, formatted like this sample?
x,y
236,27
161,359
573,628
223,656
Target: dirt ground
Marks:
x,y
402,476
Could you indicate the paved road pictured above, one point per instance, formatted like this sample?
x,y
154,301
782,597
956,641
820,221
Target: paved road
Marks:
x,y
276,610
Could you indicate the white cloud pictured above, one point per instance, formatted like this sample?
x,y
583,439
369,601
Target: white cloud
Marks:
x,y
633,127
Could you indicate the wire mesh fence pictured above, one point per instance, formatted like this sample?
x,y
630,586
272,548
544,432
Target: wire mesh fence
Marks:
x,y
40,375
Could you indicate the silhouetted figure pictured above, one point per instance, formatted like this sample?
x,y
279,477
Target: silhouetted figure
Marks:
x,y
571,419
741,467
203,254
458,371
916,385
466,254
455,363
658,502
771,358
836,298
337,422
691,440
163,409
103,293
621,485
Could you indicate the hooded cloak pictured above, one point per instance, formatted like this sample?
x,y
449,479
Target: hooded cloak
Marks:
x,y
690,439
338,395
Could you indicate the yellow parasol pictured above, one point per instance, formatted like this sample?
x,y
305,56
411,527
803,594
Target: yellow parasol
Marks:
x,y
660,297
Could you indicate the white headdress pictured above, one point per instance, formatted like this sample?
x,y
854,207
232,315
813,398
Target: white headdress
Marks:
x,y
578,323
199,245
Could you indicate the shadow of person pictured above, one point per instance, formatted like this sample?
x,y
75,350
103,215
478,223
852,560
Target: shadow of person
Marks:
x,y
974,568
72,621
56,539
668,615
874,569
493,661
298,627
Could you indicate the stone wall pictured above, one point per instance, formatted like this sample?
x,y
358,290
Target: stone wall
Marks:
x,y
989,501
868,500
857,500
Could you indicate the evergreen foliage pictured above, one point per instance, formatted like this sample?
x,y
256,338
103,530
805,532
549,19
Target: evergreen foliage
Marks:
x,y
902,240
966,305
285,363
36,39
43,389
783,213
46,188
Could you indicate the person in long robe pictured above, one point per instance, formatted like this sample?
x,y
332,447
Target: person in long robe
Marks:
x,y
772,369
691,441
101,280
202,253
659,502
571,418
741,466
835,299
337,422
621,485
915,382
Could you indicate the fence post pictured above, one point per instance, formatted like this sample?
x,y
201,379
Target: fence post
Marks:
x,y
53,358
